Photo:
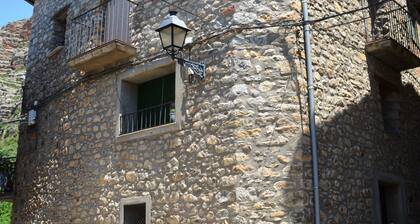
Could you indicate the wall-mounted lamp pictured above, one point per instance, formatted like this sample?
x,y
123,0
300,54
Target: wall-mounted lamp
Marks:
x,y
173,32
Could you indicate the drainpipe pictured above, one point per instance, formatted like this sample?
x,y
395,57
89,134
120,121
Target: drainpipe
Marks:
x,y
311,105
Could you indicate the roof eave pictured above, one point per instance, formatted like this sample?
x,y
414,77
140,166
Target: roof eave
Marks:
x,y
30,1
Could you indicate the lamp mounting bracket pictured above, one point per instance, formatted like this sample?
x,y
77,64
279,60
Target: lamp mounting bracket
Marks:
x,y
199,69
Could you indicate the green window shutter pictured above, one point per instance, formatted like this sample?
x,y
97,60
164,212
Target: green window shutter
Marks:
x,y
169,89
150,94
156,92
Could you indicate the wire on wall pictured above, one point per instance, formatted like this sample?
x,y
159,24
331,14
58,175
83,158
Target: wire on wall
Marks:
x,y
285,24
12,121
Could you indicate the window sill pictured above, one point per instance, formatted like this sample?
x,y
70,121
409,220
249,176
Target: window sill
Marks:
x,y
55,52
159,130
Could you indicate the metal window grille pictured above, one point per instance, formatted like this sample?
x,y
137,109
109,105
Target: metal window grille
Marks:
x,y
148,118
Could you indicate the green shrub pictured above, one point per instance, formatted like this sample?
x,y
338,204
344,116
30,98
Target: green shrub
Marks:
x,y
8,147
5,212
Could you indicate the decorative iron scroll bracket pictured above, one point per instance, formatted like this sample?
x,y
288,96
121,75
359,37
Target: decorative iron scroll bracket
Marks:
x,y
199,69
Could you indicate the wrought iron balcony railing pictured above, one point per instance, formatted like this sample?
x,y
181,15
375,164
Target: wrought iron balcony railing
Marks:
x,y
393,21
100,25
148,118
7,176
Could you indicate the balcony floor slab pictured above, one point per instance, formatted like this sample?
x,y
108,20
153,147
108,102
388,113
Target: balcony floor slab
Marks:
x,y
394,54
103,57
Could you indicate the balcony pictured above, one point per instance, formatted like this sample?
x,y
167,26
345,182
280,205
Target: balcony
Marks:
x,y
99,38
7,177
392,36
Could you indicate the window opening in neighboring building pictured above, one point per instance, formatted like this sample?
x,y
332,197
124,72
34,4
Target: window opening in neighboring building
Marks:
x,y
59,29
390,104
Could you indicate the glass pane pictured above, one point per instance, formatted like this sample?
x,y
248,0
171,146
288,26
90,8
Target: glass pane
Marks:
x,y
179,37
165,36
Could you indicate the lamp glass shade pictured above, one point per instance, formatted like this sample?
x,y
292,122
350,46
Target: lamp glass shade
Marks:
x,y
173,32
166,37
179,37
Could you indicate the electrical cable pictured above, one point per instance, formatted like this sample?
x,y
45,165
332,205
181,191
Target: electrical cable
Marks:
x,y
354,21
124,65
313,21
206,37
180,8
86,78
170,4
348,12
150,58
12,121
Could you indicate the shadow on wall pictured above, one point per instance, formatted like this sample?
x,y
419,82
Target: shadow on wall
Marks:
x,y
356,148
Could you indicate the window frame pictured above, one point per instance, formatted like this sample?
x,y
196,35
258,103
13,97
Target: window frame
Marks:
x,y
390,179
60,18
144,73
146,200
386,88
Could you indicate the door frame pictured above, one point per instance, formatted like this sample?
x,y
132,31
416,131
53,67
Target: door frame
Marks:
x,y
392,179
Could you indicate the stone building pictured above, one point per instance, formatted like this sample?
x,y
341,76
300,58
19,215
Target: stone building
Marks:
x,y
126,135
14,38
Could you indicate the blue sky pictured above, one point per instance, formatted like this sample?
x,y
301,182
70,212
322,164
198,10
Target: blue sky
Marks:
x,y
12,10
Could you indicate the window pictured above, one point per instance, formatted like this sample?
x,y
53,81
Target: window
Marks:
x,y
390,107
390,202
135,214
135,210
150,99
155,105
59,29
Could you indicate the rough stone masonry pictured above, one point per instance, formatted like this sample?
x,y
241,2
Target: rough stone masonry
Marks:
x,y
242,154
14,38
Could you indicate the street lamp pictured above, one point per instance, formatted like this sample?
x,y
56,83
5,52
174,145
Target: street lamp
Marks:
x,y
173,32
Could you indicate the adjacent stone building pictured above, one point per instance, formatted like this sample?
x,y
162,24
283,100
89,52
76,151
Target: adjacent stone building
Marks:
x,y
14,39
126,135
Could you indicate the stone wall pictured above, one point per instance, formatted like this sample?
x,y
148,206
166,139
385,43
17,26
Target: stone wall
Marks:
x,y
354,147
243,153
14,39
